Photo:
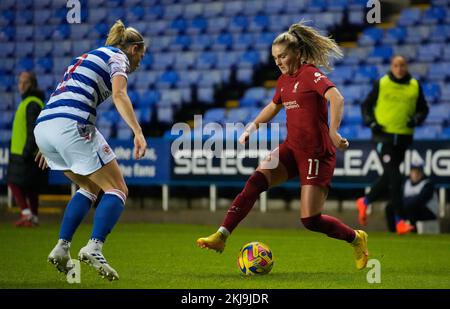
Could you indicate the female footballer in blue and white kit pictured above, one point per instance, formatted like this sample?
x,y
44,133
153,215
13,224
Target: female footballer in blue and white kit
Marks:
x,y
68,141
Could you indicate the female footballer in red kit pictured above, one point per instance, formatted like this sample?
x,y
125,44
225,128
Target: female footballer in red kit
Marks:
x,y
309,150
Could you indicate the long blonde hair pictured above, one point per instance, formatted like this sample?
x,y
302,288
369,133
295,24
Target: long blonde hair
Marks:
x,y
122,37
314,48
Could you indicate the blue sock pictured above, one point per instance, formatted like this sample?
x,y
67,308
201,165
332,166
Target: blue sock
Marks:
x,y
108,212
76,210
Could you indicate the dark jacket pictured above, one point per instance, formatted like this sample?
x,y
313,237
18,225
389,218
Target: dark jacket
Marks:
x,y
22,170
368,106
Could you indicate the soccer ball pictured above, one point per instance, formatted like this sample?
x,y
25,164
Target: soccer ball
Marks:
x,y
255,258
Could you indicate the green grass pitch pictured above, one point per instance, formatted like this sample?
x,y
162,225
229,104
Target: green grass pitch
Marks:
x,y
166,256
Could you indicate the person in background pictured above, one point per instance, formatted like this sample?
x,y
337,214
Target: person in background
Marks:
x,y
24,177
420,201
394,107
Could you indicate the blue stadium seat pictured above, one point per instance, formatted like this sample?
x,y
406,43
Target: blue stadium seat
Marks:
x,y
43,49
206,60
205,94
297,6
429,132
440,33
7,18
61,32
242,41
380,54
249,59
173,11
6,83
161,43
357,17
433,15
115,14
214,115
264,40
233,8
47,82
409,17
177,26
97,15
144,80
158,27
371,36
43,65
394,36
356,55
244,75
149,97
352,115
431,92
223,41
180,43
167,79
252,7
5,136
408,51
7,34
364,133
429,52
134,97
439,114
337,5
201,42
188,78
81,47
259,23
163,61
42,17
170,97
253,97
238,23
185,60
210,79
43,4
24,33
213,9
217,25
445,133
342,74
226,60
238,115
62,48
275,7
352,94
135,14
24,64
193,10
366,74
350,131
439,71
446,55
24,17
79,31
155,12
417,35
7,66
197,25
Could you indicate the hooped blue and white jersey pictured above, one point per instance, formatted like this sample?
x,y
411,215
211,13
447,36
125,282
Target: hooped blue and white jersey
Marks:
x,y
86,84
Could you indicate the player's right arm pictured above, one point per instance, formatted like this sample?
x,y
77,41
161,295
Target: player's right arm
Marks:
x,y
268,112
125,109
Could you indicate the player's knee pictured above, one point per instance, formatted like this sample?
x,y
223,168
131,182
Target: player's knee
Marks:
x,y
311,223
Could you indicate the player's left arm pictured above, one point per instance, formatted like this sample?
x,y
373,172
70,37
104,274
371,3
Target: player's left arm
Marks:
x,y
336,112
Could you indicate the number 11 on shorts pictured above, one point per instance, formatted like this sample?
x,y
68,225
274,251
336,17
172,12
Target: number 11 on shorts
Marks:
x,y
311,162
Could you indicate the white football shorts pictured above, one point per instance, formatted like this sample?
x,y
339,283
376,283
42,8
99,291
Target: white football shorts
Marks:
x,y
69,145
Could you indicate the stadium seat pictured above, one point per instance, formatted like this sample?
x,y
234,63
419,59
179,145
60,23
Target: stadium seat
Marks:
x,y
244,75
342,74
233,8
24,49
149,98
61,32
180,43
237,115
165,114
5,135
206,61
440,33
197,26
217,25
42,17
223,41
205,94
438,115
366,74
417,35
213,9
238,23
226,60
371,36
431,92
249,59
409,17
352,115
214,115
429,52
163,61
394,36
433,15
193,10
439,71
99,15
168,79
427,132
259,23
242,41
380,54
253,97
210,79
173,11
43,65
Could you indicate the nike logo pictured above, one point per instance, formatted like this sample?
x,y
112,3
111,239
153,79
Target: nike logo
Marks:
x,y
311,177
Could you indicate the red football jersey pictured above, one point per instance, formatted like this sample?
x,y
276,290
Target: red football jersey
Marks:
x,y
302,95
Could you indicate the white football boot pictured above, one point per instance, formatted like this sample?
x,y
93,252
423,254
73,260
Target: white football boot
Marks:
x,y
91,254
60,256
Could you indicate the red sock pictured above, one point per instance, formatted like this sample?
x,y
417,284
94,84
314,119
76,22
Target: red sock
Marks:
x,y
245,200
330,226
19,196
33,198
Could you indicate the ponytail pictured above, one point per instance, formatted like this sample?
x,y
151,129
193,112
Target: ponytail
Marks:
x,y
313,47
122,37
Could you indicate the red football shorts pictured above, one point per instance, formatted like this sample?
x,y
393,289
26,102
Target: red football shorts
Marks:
x,y
312,169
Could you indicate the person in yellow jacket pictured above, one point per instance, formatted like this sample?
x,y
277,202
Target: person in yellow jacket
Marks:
x,y
394,107
24,177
